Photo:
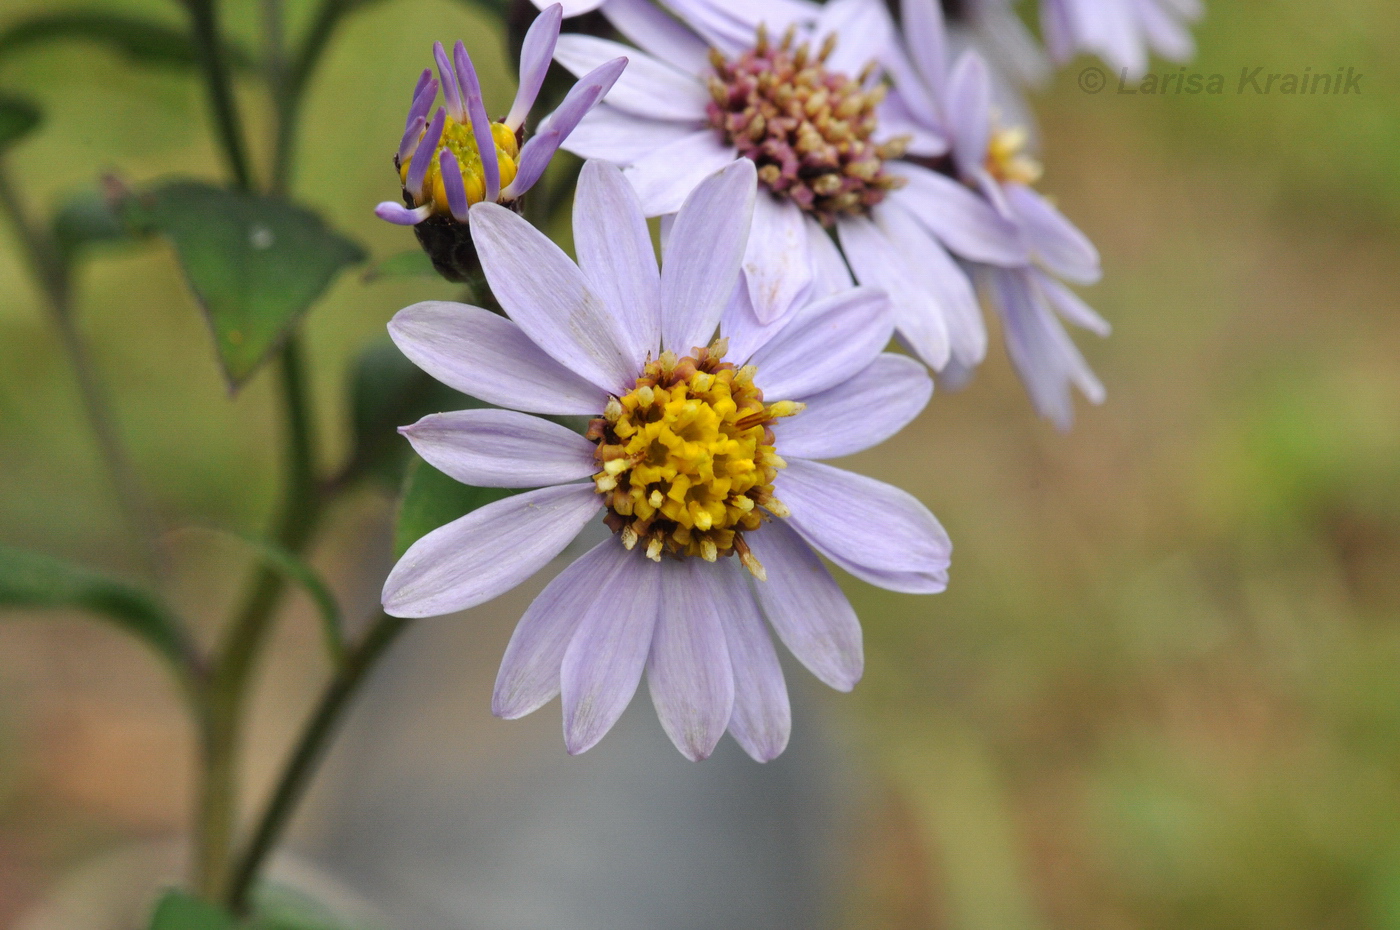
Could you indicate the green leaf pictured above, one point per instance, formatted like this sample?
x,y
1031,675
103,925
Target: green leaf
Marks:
x,y
278,907
388,391
28,579
255,263
143,41
180,911
413,264
432,499
18,118
87,219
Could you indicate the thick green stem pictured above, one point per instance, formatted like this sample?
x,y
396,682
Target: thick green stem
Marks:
x,y
204,23
306,756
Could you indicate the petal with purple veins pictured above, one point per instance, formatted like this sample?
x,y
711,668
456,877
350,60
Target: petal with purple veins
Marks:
x,y
827,343
688,671
859,413
536,53
649,88
666,176
501,448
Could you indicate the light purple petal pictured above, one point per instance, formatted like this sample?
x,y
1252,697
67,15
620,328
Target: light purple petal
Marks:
x,y
1071,308
958,217
616,255
423,99
536,52
857,520
408,145
649,88
556,127
452,183
546,294
806,607
970,111
897,119
481,123
451,90
740,326
864,30
829,272
423,156
777,264
574,8
688,670
762,718
529,675
923,108
489,357
603,664
622,138
423,80
827,343
400,215
1164,34
730,26
862,412
655,32
703,256
664,178
926,41
1057,242
489,551
877,262
501,448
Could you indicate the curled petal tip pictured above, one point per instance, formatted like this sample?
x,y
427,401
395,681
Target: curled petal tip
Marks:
x,y
400,215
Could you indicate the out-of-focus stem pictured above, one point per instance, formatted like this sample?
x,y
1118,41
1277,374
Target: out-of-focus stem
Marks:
x,y
289,91
204,23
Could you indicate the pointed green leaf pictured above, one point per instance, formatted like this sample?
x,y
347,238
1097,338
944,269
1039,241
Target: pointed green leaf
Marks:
x,y
432,499
143,41
18,118
255,263
178,910
28,579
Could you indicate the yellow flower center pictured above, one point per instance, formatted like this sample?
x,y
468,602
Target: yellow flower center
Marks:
x,y
458,138
1007,160
687,458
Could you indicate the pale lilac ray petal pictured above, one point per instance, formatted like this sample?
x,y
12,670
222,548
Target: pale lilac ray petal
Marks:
x,y
862,412
1071,308
806,607
536,52
557,126
423,156
777,264
603,664
1167,37
574,8
829,272
491,358
877,263
666,176
454,186
655,32
423,80
827,343
622,138
939,275
1057,242
545,293
856,519
423,99
740,326
899,582
501,448
1057,30
964,222
924,109
730,26
970,111
762,718
864,30
688,671
529,674
408,145
481,123
451,90
489,551
702,260
896,120
648,88
616,255
926,41
400,215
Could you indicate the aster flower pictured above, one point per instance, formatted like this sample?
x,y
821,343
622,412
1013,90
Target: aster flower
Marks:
x,y
440,158
1040,244
1121,32
795,88
701,460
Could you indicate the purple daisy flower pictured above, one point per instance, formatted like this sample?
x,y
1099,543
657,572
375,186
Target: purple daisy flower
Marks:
x,y
794,87
713,530
988,172
1121,32
440,158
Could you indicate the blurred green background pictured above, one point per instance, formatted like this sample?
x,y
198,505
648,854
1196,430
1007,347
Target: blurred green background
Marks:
x,y
1162,691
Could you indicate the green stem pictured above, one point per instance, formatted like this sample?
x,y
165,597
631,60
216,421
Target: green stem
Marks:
x,y
289,89
204,23
237,658
309,751
52,274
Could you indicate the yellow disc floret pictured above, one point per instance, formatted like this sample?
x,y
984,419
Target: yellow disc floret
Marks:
x,y
687,458
1007,159
459,139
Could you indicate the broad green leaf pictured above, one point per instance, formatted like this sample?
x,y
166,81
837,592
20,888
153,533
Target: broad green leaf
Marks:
x,y
255,263
278,907
414,264
87,219
28,579
178,910
388,391
18,118
432,499
144,41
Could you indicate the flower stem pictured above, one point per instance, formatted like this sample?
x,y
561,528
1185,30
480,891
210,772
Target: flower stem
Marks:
x,y
204,23
290,82
308,753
